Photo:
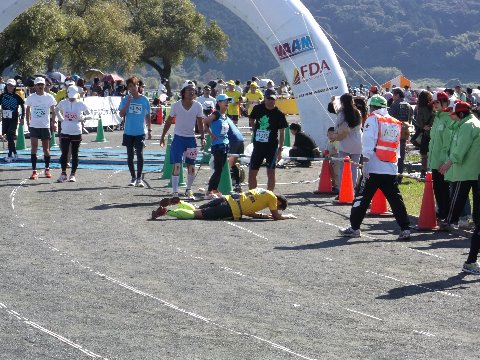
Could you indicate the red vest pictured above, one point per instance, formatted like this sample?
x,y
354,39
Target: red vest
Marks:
x,y
389,130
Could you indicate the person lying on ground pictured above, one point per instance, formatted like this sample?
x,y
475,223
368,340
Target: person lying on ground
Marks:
x,y
228,207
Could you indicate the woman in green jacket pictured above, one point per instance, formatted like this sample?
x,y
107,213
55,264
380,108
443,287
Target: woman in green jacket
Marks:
x,y
462,167
438,151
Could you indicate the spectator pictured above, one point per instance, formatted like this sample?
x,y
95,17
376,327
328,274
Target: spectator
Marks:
x,y
424,120
303,146
349,134
403,111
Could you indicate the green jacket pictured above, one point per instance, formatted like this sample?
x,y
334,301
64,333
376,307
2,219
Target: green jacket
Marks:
x,y
464,150
440,136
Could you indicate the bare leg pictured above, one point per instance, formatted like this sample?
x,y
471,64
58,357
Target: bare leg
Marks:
x,y
270,179
252,179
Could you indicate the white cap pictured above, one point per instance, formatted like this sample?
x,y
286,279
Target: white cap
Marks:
x,y
11,82
39,80
188,83
69,82
72,92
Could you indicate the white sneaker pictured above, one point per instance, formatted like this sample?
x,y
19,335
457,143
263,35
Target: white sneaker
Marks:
x,y
139,183
8,159
72,178
473,268
404,235
62,178
189,195
350,232
132,182
210,196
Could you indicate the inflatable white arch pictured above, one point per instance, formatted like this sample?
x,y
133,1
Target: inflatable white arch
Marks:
x,y
295,40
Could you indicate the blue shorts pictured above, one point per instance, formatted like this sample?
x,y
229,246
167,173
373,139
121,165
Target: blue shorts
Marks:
x,y
183,146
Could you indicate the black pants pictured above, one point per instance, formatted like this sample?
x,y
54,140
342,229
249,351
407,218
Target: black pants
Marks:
x,y
460,197
441,188
401,160
216,209
301,153
65,141
389,186
9,128
219,153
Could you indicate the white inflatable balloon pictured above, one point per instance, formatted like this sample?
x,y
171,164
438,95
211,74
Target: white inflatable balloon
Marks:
x,y
295,40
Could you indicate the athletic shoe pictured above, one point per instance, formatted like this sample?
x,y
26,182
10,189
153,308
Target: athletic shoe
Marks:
x,y
238,188
350,232
169,201
132,182
464,223
72,178
8,159
62,178
473,268
15,157
444,226
159,212
34,176
47,173
189,195
404,235
210,196
139,183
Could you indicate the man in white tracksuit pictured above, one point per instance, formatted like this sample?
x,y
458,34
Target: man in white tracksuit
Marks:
x,y
380,150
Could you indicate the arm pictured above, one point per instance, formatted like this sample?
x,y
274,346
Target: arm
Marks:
x,y
53,122
280,143
202,130
148,121
123,112
28,114
22,118
166,127
58,112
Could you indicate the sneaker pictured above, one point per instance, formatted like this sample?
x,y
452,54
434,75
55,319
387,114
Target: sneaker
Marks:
x,y
62,178
404,235
159,212
473,268
238,188
464,223
350,232
47,173
15,157
132,182
169,201
210,196
444,226
189,195
72,178
140,183
34,176
8,159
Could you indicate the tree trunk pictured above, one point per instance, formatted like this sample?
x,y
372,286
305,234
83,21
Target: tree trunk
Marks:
x,y
164,71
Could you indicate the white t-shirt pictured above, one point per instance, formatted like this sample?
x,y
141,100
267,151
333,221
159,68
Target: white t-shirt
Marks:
x,y
40,109
207,101
72,116
162,89
185,119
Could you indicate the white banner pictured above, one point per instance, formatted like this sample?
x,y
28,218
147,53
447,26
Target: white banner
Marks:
x,y
105,107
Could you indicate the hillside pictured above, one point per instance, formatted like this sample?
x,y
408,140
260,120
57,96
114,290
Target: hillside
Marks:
x,y
422,39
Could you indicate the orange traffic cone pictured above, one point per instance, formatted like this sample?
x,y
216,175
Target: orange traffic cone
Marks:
x,y
346,196
428,218
325,183
378,207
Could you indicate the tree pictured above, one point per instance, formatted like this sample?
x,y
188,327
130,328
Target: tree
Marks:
x,y
172,30
75,34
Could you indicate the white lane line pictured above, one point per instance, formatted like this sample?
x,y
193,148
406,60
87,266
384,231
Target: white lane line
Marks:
x,y
197,316
413,284
372,238
363,314
245,229
423,333
51,333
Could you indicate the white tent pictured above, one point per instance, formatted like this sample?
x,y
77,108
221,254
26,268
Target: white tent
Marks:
x,y
10,9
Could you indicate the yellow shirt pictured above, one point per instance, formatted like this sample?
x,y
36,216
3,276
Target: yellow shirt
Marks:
x,y
60,95
233,108
253,99
252,201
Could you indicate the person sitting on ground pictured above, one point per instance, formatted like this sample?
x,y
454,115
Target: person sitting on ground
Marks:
x,y
303,146
229,207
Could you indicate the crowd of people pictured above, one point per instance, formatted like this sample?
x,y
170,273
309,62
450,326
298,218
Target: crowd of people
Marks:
x,y
372,129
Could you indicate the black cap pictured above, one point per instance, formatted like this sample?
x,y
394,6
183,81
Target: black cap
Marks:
x,y
270,94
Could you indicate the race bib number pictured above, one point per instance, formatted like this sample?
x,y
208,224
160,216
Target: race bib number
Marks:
x,y
71,116
7,114
39,113
225,128
262,135
135,109
191,153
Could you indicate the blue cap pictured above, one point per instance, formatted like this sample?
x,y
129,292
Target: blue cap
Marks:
x,y
223,97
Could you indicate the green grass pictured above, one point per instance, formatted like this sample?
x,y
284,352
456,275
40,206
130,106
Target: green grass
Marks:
x,y
412,192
